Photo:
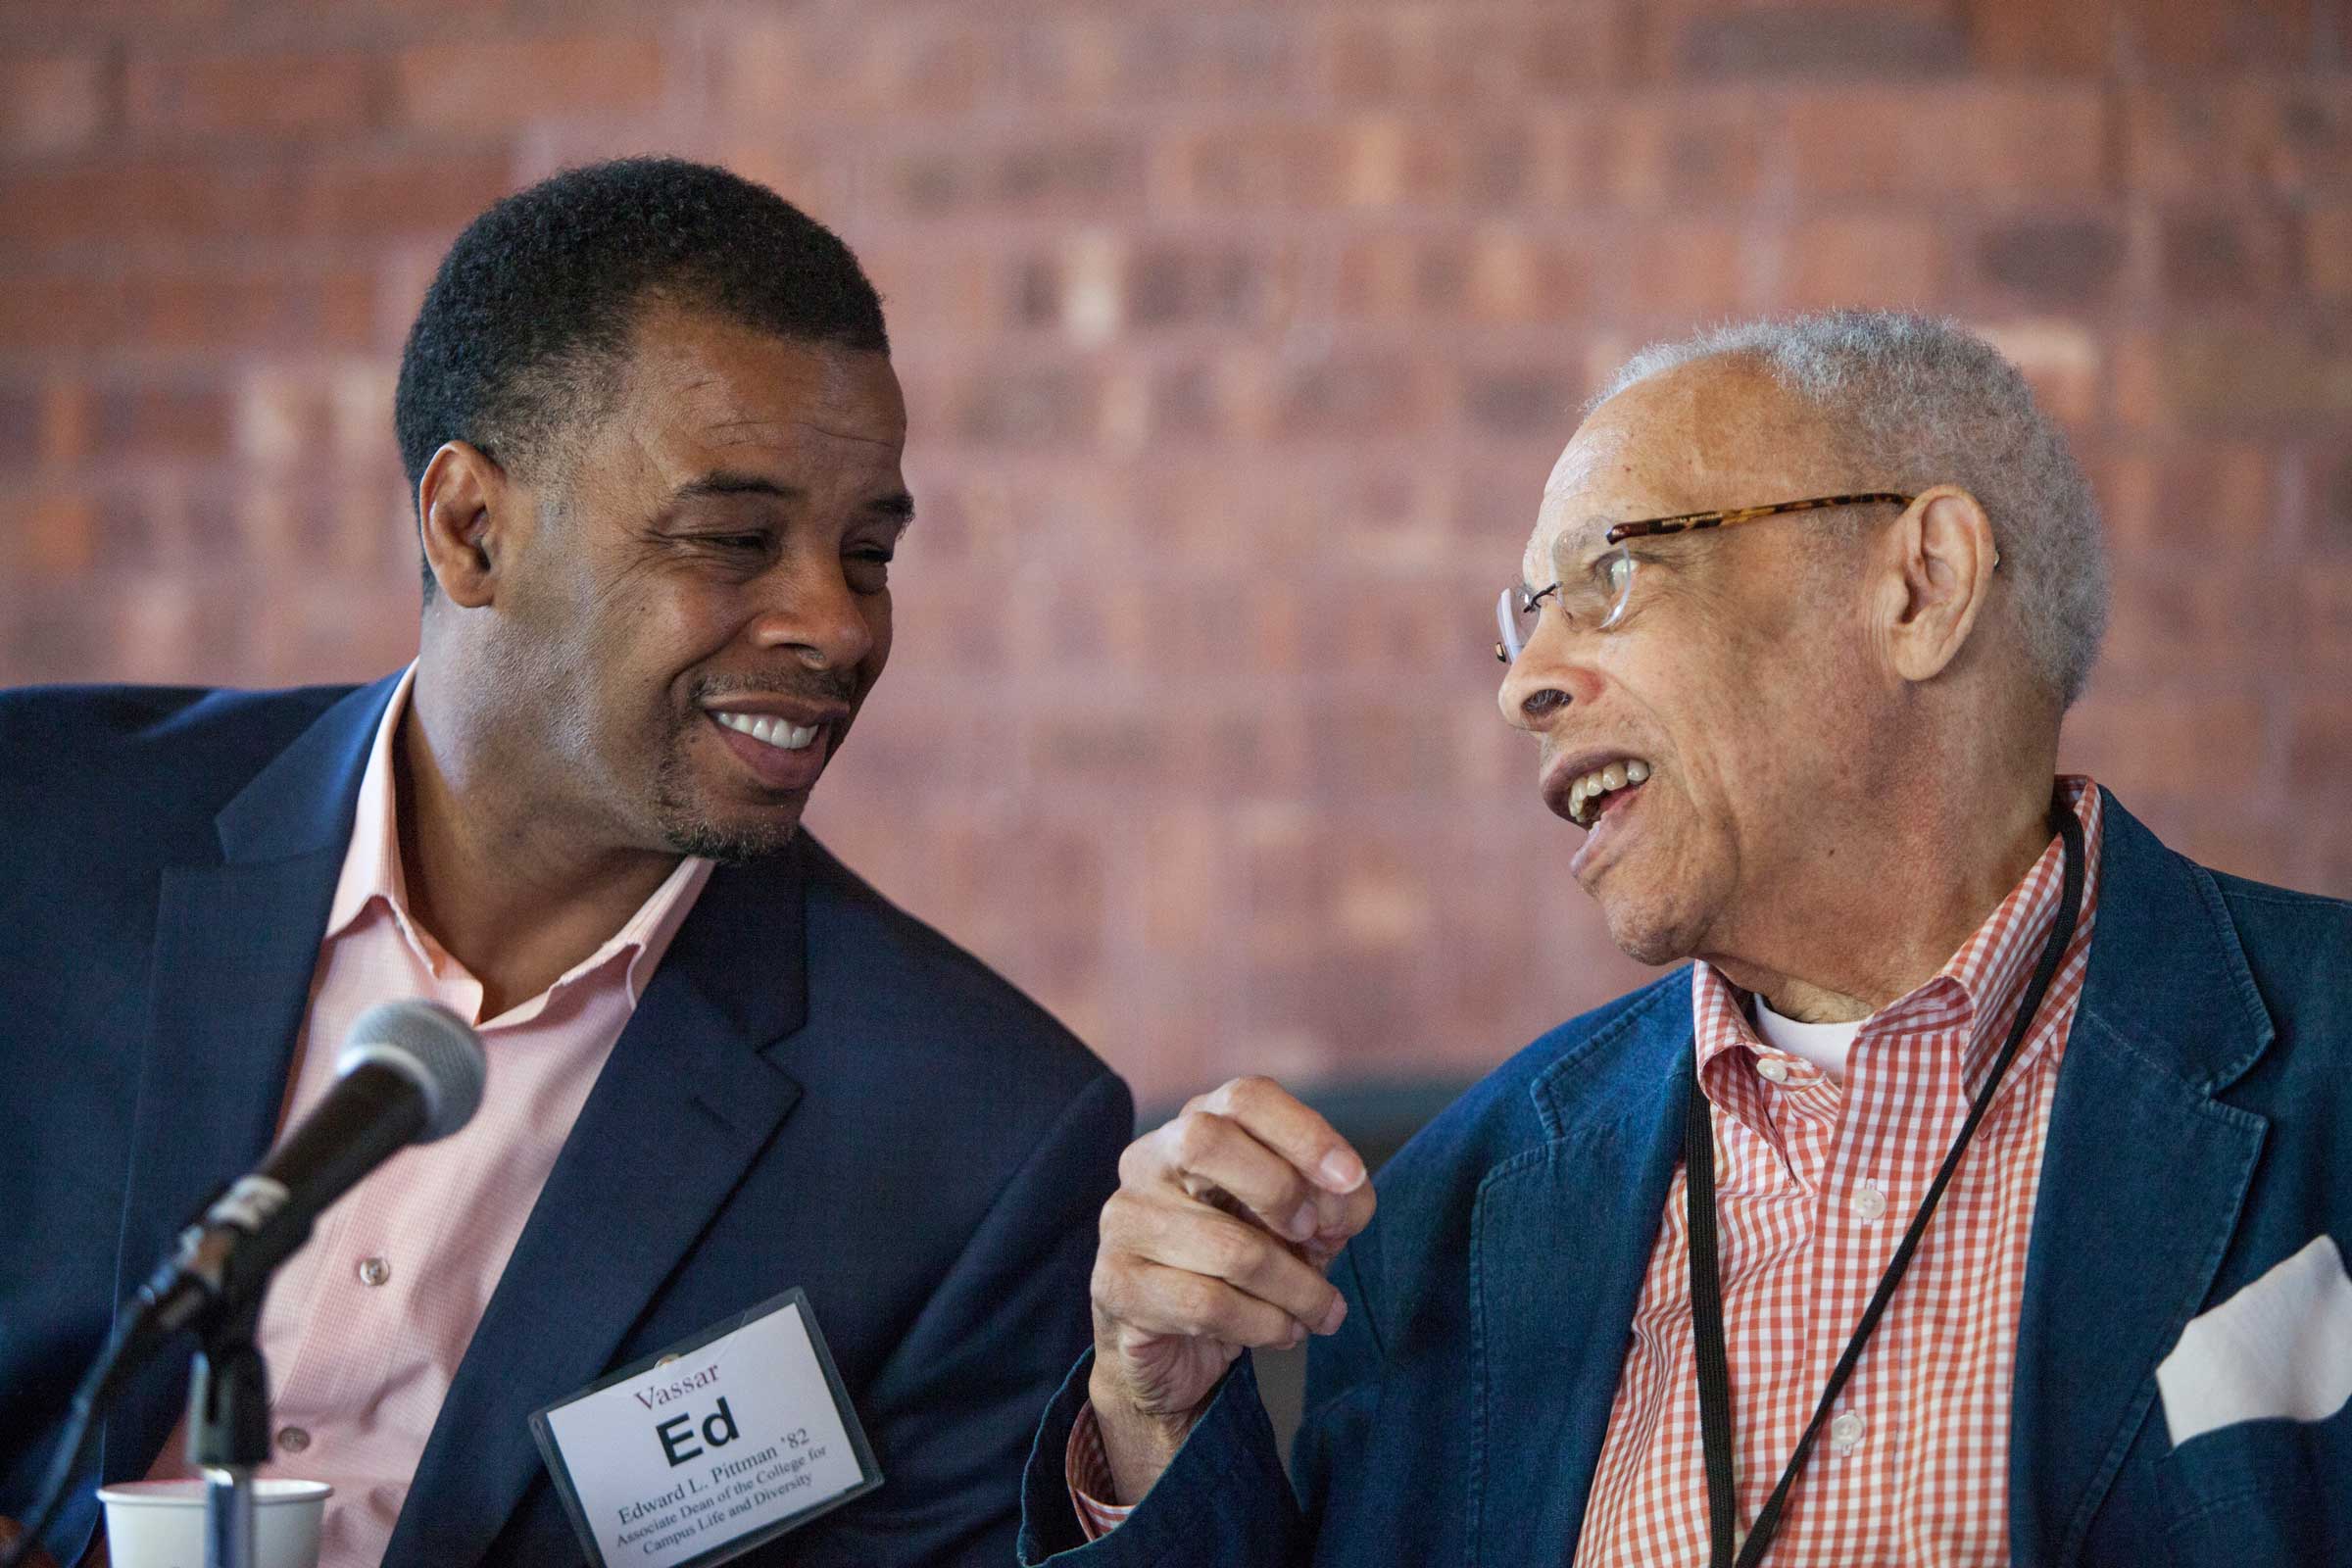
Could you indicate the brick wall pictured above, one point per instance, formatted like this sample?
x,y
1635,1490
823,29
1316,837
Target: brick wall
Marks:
x,y
1239,337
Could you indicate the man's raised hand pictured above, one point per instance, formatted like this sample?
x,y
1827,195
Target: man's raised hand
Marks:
x,y
1216,1241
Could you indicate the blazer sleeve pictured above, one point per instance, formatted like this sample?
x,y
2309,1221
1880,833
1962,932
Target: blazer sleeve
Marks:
x,y
1225,1502
950,1414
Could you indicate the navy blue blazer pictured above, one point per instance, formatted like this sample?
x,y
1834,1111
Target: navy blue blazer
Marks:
x,y
2200,1135
816,1090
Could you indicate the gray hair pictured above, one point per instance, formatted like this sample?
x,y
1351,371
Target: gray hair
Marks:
x,y
1923,402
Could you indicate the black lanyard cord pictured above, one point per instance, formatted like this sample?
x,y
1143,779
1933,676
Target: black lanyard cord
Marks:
x,y
1706,1284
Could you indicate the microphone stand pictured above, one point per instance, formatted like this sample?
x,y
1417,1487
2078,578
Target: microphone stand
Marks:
x,y
228,1429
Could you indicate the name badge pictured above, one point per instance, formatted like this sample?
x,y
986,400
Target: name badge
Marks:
x,y
711,1447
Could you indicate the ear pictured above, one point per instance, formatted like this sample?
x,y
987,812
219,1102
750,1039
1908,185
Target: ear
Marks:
x,y
1939,579
462,502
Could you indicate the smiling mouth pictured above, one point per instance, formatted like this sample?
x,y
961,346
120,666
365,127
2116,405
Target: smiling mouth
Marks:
x,y
768,730
1594,794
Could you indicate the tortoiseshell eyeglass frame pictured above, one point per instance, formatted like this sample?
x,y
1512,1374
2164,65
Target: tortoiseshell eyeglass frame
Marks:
x,y
1691,521
1728,518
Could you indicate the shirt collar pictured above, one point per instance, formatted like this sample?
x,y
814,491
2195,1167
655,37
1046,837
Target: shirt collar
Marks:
x,y
1975,993
372,875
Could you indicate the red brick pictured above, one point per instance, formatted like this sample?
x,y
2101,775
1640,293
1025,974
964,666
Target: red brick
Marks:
x,y
1834,42
2159,743
2240,846
1864,261
22,436
1705,146
2256,372
1255,165
1399,275
2209,500
52,424
2288,136
185,201
275,94
2321,861
384,196
161,419
1027,406
1522,397
1349,394
2330,489
2060,361
2321,624
178,202
1391,161
1952,141
56,535
2210,616
48,636
773,69
2320,747
1682,272
492,85
1207,56
1086,175
2033,36
2057,260
2206,37
53,104
2327,251
1175,283
2217,255
1430,56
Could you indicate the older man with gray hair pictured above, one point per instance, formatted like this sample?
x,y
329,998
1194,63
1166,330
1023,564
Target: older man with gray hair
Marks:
x,y
1977,1196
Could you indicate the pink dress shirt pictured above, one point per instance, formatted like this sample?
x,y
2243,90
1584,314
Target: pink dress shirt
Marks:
x,y
365,1327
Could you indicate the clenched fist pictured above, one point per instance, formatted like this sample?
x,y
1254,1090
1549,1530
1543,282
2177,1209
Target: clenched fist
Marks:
x,y
1216,1241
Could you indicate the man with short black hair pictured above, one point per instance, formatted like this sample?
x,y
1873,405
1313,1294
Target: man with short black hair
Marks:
x,y
654,437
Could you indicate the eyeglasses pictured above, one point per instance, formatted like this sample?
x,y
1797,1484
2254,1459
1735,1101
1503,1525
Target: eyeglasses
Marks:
x,y
1595,597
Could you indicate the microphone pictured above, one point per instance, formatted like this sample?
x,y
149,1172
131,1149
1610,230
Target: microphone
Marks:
x,y
410,1072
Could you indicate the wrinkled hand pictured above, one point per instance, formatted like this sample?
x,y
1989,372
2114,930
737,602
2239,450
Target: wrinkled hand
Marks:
x,y
1216,1241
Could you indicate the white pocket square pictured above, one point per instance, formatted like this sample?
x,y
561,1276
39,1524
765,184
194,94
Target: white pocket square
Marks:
x,y
2281,1346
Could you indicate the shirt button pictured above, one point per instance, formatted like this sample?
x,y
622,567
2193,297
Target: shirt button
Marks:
x,y
1869,1204
293,1438
374,1272
1846,1433
1772,1069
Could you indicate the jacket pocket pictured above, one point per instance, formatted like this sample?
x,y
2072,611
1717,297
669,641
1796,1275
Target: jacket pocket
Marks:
x,y
2260,1492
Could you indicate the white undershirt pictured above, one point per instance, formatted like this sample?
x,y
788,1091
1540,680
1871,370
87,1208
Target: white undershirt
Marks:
x,y
1824,1045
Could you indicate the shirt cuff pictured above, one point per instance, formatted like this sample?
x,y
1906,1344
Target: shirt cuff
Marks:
x,y
1087,1468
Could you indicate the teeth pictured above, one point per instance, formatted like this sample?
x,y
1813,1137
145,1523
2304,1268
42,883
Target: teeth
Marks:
x,y
779,733
1588,790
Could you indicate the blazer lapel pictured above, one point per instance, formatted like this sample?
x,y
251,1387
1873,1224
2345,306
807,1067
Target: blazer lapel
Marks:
x,y
1554,1275
684,1105
2142,1181
235,946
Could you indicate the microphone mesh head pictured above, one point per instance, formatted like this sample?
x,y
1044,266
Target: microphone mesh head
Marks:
x,y
434,1047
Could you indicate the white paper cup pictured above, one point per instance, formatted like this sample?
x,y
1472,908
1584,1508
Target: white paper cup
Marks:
x,y
159,1524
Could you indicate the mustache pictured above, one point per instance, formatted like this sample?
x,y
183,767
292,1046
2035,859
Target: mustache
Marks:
x,y
811,685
